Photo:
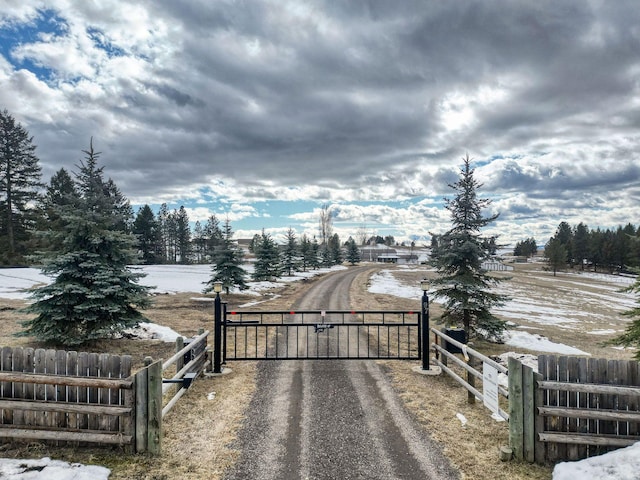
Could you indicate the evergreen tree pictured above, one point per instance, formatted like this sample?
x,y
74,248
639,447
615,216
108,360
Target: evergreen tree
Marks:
x,y
147,231
60,192
526,248
19,189
213,235
94,293
581,243
267,266
227,263
631,336
335,250
306,252
353,252
163,222
556,254
198,242
183,236
315,254
462,282
564,235
290,255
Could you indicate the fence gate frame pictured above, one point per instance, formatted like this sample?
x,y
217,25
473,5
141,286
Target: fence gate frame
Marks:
x,y
402,326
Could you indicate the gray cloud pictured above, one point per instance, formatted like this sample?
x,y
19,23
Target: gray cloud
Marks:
x,y
346,98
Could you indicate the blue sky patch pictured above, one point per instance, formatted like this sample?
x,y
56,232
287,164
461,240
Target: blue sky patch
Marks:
x,y
13,35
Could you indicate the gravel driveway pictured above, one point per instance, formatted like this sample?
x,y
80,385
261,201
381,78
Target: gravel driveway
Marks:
x,y
332,419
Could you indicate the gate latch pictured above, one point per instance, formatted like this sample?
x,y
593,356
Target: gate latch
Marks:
x,y
320,327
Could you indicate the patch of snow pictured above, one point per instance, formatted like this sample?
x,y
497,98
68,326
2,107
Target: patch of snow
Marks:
x,y
50,469
462,418
621,464
538,343
153,331
384,282
601,332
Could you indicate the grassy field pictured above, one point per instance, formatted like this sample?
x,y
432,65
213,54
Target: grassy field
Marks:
x,y
199,431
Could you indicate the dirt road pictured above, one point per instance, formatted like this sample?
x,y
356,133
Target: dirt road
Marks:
x,y
332,419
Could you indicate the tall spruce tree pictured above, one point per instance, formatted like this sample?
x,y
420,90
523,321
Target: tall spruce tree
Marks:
x,y
353,252
268,265
290,253
227,263
94,293
631,336
147,231
556,254
458,256
20,187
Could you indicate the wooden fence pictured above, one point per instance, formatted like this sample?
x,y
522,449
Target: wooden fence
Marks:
x,y
473,363
88,398
575,407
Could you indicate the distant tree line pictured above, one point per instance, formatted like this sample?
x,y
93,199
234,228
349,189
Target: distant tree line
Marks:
x,y
609,250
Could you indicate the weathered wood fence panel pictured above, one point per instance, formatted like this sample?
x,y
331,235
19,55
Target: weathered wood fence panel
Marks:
x,y
50,395
581,407
78,398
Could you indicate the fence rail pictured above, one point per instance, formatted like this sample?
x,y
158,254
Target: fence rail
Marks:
x,y
60,396
576,407
472,360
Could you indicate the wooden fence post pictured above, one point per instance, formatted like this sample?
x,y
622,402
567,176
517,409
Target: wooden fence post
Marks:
x,y
528,414
516,424
148,384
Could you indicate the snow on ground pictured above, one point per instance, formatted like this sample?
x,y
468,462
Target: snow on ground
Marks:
x,y
48,469
538,343
385,282
621,464
163,279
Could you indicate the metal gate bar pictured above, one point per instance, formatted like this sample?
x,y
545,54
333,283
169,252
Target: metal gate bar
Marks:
x,y
321,334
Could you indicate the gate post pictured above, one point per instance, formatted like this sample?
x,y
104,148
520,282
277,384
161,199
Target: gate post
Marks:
x,y
217,329
424,320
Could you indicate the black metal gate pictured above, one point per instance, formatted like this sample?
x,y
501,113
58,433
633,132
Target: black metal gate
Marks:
x,y
320,334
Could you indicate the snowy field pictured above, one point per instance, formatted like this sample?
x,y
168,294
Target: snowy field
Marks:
x,y
558,308
564,306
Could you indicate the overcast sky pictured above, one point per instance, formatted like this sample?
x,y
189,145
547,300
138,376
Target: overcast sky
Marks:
x,y
266,110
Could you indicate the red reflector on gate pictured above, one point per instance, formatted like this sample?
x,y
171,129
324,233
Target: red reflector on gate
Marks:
x,y
410,313
233,313
353,312
292,313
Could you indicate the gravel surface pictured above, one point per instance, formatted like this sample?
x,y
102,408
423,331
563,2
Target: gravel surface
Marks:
x,y
332,419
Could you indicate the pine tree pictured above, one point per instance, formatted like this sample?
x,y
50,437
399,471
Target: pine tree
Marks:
x,y
353,252
290,253
306,252
556,254
61,192
94,293
631,336
147,231
335,250
315,256
267,266
163,220
227,263
459,254
183,236
19,188
213,235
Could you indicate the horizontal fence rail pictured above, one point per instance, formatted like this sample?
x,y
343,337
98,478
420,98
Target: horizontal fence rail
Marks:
x,y
60,396
574,408
321,334
472,361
